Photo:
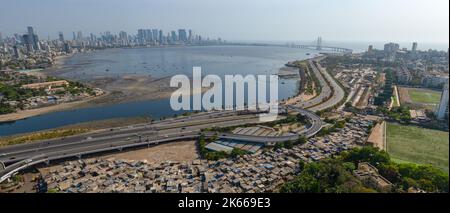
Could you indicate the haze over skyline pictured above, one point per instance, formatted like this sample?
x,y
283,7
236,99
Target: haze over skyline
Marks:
x,y
265,20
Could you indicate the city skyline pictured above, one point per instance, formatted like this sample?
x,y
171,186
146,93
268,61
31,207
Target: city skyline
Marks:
x,y
250,21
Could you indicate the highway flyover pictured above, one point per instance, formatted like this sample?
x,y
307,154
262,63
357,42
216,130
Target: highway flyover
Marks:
x,y
18,157
331,93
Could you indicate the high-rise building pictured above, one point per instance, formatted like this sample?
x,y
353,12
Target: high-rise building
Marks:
x,y
80,35
182,35
28,41
155,35
174,36
1,37
67,47
370,50
161,35
391,50
61,36
140,36
414,47
74,37
30,30
391,47
123,37
33,39
442,111
148,35
92,37
191,36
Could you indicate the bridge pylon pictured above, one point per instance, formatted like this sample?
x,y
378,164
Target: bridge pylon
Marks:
x,y
319,43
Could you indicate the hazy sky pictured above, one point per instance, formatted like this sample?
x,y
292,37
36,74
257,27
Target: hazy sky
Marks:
x,y
282,20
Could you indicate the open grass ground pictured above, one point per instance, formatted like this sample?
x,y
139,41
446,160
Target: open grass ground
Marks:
x,y
424,96
418,145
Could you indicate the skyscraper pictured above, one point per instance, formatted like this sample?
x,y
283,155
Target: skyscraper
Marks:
x,y
182,35
370,49
174,36
123,37
190,35
391,47
28,42
67,47
1,37
30,30
61,36
442,111
140,36
92,37
33,39
414,47
74,37
161,35
80,35
148,35
155,35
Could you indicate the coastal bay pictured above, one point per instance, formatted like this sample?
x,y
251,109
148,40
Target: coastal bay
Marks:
x,y
139,79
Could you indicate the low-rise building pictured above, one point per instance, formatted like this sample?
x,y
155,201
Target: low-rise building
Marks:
x,y
46,85
370,176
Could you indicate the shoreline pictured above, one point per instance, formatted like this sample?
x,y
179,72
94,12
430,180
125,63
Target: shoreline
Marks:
x,y
135,88
19,115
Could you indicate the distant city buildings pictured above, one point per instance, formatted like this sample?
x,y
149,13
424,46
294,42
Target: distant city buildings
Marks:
x,y
434,80
27,51
391,47
391,51
403,75
31,40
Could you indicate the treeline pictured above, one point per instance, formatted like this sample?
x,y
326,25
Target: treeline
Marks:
x,y
336,125
386,95
400,114
335,175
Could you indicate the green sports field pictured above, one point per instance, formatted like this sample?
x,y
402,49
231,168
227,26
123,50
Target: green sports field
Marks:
x,y
424,96
418,145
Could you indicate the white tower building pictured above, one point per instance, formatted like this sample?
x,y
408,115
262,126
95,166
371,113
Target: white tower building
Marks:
x,y
442,111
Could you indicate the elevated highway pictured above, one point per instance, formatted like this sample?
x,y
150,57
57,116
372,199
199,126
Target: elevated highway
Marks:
x,y
18,157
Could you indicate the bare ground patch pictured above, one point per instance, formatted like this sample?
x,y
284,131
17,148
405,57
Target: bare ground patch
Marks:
x,y
178,151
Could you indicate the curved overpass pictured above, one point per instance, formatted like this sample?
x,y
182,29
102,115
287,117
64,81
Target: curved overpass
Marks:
x,y
25,155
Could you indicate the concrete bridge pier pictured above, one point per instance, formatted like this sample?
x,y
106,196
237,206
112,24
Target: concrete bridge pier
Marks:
x,y
2,166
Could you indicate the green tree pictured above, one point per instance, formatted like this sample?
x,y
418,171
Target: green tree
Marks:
x,y
368,154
